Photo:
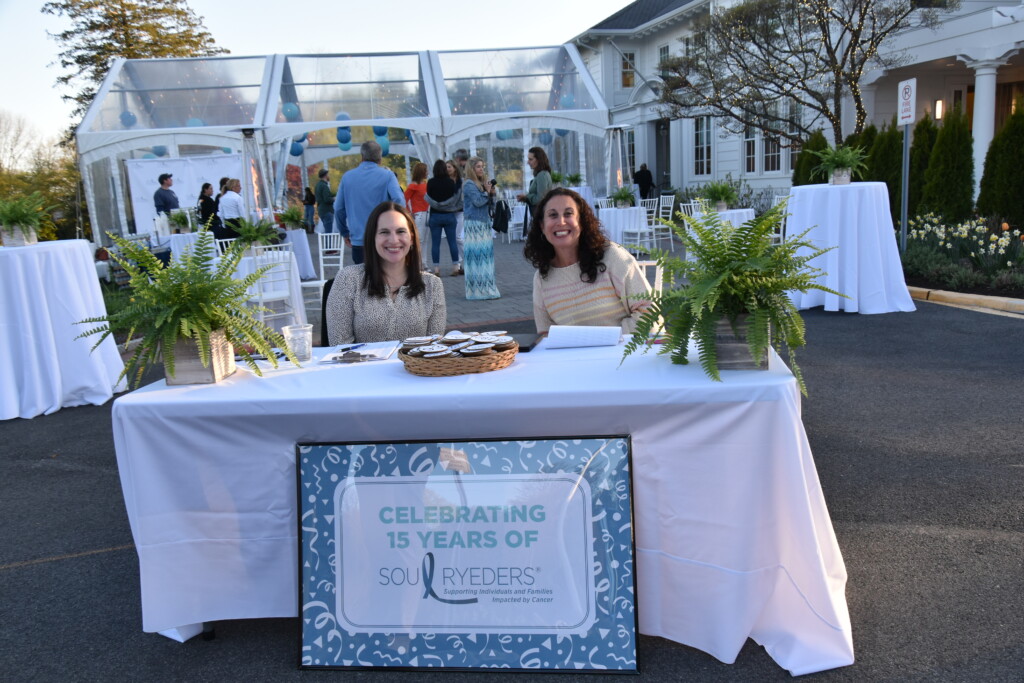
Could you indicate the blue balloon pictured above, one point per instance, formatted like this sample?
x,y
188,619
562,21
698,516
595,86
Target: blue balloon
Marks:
x,y
195,123
342,116
300,138
297,149
562,132
380,130
506,134
408,134
544,138
514,108
149,155
344,134
344,146
159,150
568,101
385,144
226,150
128,119
290,111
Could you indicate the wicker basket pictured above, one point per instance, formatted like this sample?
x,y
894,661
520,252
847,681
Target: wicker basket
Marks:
x,y
463,365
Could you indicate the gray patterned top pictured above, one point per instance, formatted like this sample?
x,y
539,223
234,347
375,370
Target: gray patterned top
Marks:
x,y
355,316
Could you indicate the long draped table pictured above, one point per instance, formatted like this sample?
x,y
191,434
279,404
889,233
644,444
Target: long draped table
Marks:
x,y
44,290
733,538
299,240
614,222
736,217
866,265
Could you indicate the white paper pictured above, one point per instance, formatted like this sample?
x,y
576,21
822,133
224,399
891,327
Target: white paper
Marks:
x,y
367,352
574,336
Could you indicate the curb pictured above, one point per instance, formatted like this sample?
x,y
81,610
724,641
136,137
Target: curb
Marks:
x,y
998,303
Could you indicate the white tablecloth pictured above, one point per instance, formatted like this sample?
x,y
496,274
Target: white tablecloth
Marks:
x,y
587,194
734,216
733,536
866,266
178,243
44,290
300,247
615,221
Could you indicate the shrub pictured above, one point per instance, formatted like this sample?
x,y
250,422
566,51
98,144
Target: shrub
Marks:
x,y
920,153
807,159
949,180
885,161
1002,182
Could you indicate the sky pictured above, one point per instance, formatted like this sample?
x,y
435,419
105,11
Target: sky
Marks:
x,y
29,55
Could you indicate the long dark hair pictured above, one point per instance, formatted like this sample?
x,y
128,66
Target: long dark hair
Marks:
x,y
590,250
542,159
441,170
373,274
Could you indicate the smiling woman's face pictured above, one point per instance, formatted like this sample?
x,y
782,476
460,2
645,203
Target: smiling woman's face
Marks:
x,y
393,239
561,226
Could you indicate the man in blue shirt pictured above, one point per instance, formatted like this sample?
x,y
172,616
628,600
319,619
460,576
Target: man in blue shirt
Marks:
x,y
359,193
164,199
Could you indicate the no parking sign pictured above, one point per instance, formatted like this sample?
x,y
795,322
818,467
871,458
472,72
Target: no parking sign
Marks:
x,y
907,99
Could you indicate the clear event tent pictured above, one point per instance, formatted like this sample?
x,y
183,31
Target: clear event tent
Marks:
x,y
263,111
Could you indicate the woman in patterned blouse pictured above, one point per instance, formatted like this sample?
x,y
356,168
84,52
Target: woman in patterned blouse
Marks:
x,y
387,297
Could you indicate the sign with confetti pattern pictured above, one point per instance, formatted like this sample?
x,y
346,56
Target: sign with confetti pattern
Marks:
x,y
515,555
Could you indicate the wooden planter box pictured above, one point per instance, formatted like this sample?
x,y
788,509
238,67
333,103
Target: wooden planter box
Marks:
x,y
188,368
733,352
13,237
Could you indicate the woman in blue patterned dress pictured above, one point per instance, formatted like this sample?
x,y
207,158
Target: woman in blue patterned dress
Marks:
x,y
478,255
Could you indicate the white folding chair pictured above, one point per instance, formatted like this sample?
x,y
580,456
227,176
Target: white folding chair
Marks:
x,y
689,208
651,207
604,203
639,236
656,214
665,204
654,274
330,254
516,224
780,235
273,290
224,244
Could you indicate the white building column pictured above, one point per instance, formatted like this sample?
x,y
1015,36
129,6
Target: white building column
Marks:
x,y
984,121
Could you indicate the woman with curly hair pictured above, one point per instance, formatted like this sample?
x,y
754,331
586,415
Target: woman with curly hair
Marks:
x,y
581,278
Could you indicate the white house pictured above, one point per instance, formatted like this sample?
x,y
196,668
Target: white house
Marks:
x,y
974,59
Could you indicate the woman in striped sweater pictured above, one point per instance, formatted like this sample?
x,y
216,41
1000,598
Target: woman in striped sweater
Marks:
x,y
581,278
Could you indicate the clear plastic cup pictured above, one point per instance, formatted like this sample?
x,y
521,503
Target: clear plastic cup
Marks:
x,y
299,339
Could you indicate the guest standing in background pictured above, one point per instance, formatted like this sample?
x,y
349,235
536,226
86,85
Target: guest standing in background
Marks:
x,y
231,208
325,200
460,158
581,278
478,257
417,204
309,206
360,190
208,209
444,200
645,181
537,159
387,297
164,199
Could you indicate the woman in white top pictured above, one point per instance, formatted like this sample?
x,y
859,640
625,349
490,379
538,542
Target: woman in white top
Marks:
x,y
231,207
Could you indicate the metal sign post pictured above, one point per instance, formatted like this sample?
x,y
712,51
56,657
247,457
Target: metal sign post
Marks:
x,y
907,99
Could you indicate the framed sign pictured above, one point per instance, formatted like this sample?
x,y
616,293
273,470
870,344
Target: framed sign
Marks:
x,y
514,555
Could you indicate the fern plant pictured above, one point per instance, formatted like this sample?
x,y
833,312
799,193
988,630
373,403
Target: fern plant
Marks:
x,y
293,217
24,213
730,272
260,232
191,297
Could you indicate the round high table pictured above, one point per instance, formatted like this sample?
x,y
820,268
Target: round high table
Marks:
x,y
44,290
300,249
614,222
865,265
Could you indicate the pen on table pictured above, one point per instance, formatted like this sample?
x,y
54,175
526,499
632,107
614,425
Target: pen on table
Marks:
x,y
353,347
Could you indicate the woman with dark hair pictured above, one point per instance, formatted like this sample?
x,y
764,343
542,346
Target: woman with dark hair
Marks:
x,y
581,278
308,205
208,209
445,200
537,159
386,297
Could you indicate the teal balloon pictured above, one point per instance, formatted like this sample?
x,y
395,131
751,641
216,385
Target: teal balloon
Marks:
x,y
514,108
160,150
300,138
344,134
128,119
226,150
345,146
290,111
149,155
408,134
297,149
568,101
561,132
544,138
195,123
380,130
342,116
385,144
506,134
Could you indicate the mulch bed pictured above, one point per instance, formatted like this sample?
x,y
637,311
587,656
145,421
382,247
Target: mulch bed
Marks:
x,y
987,291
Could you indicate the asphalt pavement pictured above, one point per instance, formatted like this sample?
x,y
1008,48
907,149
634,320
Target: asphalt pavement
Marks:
x,y
913,419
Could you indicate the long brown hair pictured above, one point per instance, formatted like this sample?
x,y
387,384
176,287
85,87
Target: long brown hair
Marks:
x,y
373,273
590,249
419,172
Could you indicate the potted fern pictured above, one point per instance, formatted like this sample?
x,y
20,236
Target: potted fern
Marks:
x,y
191,314
574,179
557,179
736,292
720,193
260,232
292,218
623,197
180,220
840,163
21,218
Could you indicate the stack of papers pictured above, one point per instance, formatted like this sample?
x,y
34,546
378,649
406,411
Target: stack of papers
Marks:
x,y
361,353
575,336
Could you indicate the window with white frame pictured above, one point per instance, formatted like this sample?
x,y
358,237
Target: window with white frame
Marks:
x,y
662,58
772,154
628,69
702,145
630,142
750,149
